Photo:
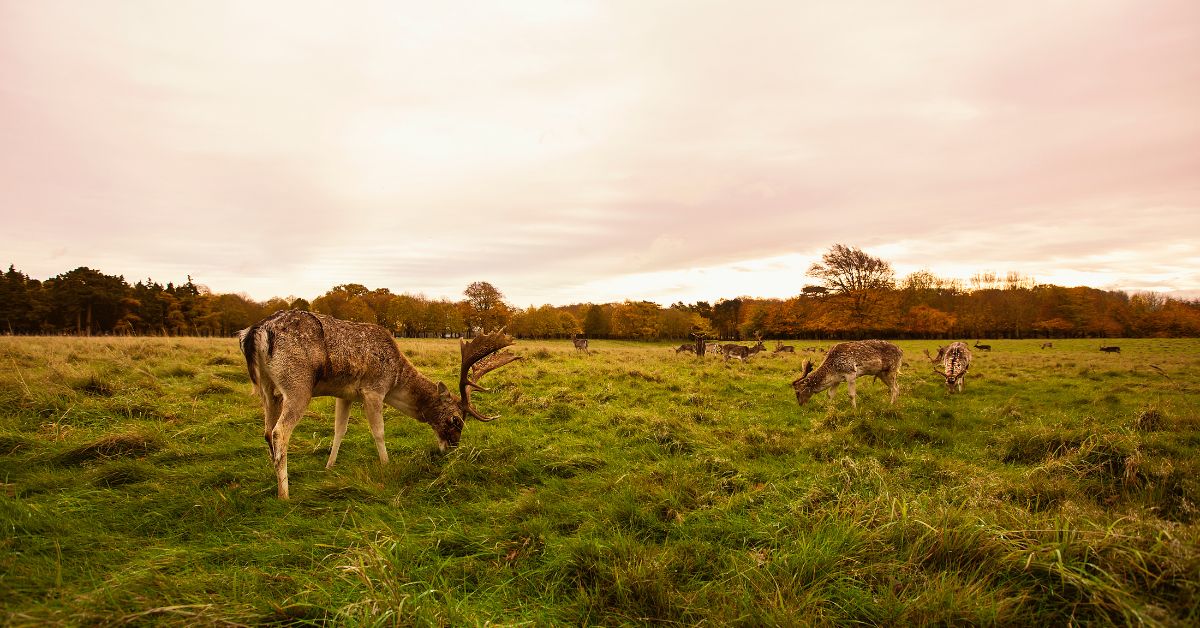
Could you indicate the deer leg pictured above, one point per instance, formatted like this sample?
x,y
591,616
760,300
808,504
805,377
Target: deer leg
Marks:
x,y
293,408
893,384
341,418
272,406
853,393
373,408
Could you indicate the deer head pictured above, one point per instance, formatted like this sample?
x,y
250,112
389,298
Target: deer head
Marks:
x,y
803,391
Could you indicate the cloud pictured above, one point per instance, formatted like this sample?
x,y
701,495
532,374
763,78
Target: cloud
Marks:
x,y
554,147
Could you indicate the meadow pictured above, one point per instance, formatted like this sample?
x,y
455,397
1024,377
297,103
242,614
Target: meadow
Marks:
x,y
629,486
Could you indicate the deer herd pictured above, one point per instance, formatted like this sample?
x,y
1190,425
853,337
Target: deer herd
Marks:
x,y
293,356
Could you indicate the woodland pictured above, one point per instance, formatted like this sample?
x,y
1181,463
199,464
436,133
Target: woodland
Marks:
x,y
855,295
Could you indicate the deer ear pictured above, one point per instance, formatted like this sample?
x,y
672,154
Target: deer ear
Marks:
x,y
443,391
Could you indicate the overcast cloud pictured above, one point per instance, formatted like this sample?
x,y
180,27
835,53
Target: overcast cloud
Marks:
x,y
595,151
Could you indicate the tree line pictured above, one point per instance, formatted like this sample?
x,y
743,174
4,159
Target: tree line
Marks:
x,y
857,296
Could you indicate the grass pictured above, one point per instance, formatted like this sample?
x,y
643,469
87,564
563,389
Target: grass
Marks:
x,y
630,486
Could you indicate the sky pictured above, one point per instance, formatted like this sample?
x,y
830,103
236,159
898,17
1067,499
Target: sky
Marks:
x,y
591,151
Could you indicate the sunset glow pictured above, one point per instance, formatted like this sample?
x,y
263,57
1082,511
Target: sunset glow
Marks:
x,y
598,151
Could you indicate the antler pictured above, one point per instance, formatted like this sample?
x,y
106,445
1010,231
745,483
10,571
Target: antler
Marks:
x,y
479,357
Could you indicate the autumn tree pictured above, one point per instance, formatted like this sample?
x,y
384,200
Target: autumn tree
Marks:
x,y
858,278
486,309
347,302
636,319
597,322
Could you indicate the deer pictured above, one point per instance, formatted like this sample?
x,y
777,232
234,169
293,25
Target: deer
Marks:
x,y
1047,345
982,347
581,344
1112,349
782,348
293,356
955,359
743,352
844,363
685,348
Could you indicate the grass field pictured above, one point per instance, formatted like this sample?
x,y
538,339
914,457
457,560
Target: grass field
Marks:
x,y
629,486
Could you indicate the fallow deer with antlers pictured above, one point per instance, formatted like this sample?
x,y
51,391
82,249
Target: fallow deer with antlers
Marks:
x,y
581,344
743,352
845,362
955,359
782,348
293,356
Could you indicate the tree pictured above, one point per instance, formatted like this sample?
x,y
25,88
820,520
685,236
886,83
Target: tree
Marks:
x,y
727,317
486,309
347,302
597,323
88,299
857,277
17,311
637,320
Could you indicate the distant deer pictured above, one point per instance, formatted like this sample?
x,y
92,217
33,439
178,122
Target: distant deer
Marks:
x,y
743,352
581,344
1113,349
685,348
982,347
782,348
293,356
845,362
1047,345
955,359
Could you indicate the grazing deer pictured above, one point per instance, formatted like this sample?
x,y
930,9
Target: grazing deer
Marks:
x,y
955,359
1047,345
688,348
845,362
1113,349
982,347
580,344
742,352
782,348
293,356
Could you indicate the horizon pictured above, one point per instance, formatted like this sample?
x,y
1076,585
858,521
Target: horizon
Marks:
x,y
964,284
574,151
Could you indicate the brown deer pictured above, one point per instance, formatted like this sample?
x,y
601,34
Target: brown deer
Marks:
x,y
982,347
782,348
845,362
581,344
743,352
1047,345
293,356
685,348
955,359
1113,349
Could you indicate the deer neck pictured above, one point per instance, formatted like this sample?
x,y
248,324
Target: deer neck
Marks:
x,y
413,393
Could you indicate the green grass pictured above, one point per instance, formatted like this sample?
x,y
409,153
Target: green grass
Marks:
x,y
626,487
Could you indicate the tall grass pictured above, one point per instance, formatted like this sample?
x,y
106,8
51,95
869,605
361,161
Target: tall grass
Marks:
x,y
633,485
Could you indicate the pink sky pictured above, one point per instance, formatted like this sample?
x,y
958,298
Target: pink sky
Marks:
x,y
595,151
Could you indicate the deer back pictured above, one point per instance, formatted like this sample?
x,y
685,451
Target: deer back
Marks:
x,y
957,360
294,349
